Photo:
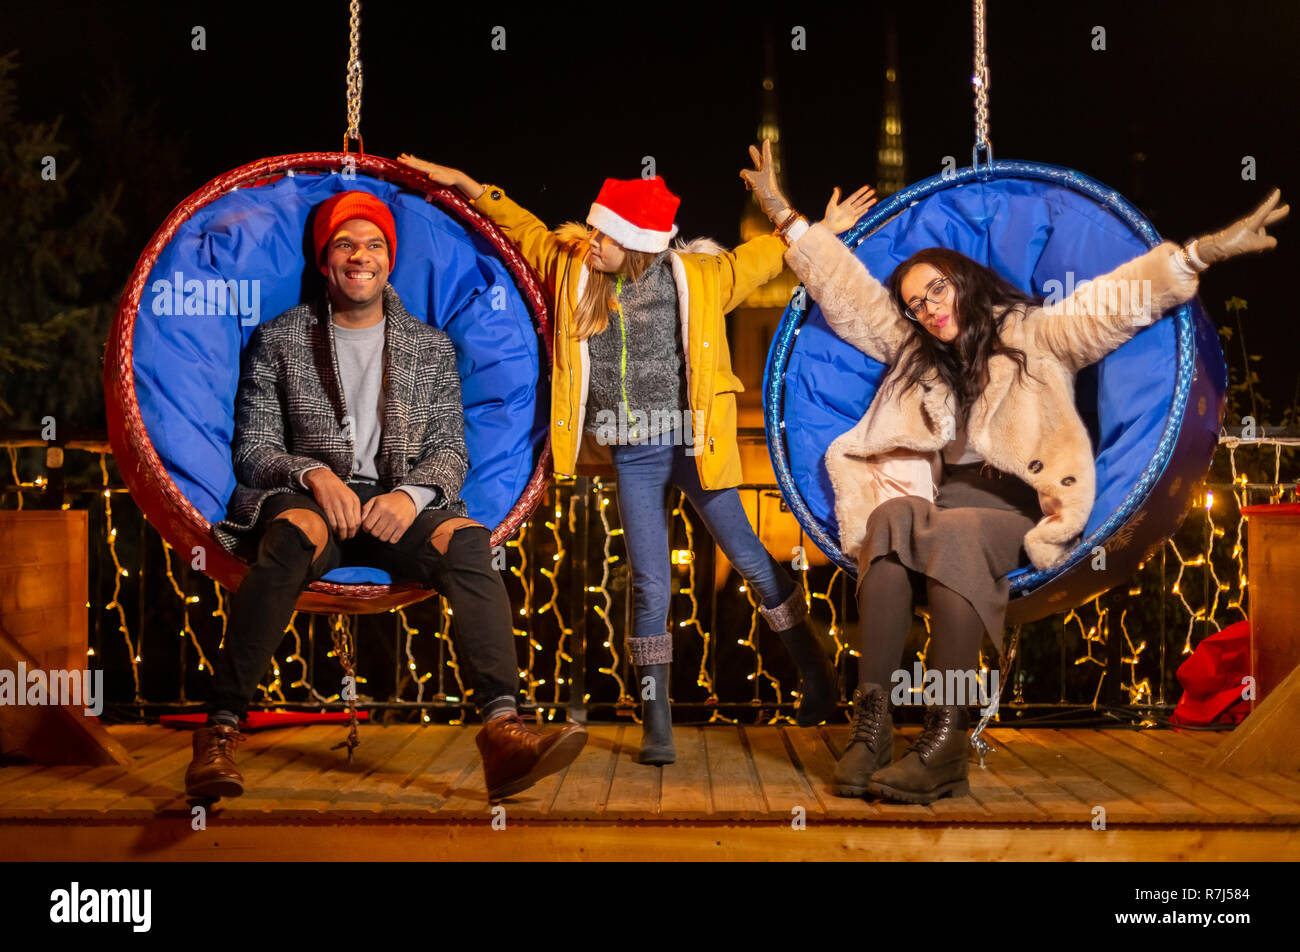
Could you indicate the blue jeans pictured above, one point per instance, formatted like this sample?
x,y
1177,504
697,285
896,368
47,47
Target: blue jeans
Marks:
x,y
644,474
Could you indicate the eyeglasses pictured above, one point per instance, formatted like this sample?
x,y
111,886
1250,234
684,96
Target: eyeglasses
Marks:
x,y
935,293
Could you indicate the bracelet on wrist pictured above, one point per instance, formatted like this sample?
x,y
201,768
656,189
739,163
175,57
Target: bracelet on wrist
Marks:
x,y
1190,258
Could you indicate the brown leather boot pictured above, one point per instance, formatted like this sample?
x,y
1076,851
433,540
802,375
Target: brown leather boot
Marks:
x,y
212,772
871,742
515,756
936,764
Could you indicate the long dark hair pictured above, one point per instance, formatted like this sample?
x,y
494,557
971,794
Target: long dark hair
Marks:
x,y
985,301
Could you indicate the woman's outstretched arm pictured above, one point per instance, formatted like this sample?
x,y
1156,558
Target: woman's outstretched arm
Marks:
x,y
542,249
1104,313
857,307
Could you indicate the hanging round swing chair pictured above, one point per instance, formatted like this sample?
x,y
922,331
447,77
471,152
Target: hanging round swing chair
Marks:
x,y
237,253
1152,407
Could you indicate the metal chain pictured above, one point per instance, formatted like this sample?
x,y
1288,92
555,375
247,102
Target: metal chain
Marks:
x,y
980,80
354,75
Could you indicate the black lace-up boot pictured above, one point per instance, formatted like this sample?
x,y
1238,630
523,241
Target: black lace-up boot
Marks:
x,y
871,741
935,765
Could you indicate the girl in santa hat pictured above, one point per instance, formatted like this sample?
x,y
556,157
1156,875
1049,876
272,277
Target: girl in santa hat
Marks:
x,y
642,366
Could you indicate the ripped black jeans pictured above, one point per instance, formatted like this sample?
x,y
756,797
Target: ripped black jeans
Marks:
x,y
261,609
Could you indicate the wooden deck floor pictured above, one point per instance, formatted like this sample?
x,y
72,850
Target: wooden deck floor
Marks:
x,y
734,793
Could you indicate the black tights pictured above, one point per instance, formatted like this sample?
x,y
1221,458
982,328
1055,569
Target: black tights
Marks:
x,y
885,610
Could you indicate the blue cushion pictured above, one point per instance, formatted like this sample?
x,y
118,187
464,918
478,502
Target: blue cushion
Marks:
x,y
187,365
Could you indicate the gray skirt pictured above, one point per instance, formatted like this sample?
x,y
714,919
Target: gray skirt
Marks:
x,y
968,539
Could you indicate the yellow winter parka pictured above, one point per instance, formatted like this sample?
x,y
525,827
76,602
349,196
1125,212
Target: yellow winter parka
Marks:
x,y
708,286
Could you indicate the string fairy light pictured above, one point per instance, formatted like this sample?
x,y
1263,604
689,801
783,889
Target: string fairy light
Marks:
x,y
119,573
602,609
1211,553
186,602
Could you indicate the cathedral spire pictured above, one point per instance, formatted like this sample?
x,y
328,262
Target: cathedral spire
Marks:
x,y
753,221
891,172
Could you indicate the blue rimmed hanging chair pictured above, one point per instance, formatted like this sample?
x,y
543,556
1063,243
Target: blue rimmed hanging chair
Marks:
x,y
1153,407
170,376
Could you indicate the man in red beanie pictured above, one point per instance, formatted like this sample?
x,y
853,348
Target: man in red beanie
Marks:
x,y
349,448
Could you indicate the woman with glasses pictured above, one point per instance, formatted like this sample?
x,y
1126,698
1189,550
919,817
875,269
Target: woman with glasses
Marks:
x,y
971,460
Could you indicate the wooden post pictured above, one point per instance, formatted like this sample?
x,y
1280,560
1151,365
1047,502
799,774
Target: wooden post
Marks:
x,y
43,591
1269,738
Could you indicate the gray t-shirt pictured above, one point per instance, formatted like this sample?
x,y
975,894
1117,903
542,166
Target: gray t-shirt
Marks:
x,y
360,354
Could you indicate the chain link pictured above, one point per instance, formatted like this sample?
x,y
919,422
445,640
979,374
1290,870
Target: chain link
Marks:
x,y
980,80
354,74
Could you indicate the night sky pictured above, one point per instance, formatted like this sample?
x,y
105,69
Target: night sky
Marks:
x,y
582,93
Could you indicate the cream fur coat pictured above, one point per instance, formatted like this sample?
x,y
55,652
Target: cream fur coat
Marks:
x,y
1030,429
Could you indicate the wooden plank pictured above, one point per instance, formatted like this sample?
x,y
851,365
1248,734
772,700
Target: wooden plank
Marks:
x,y
254,745
1079,790
132,736
394,784
1279,784
734,783
1142,790
586,784
1204,737
782,782
1004,803
1217,805
679,842
275,749
817,761
94,790
32,787
468,797
1266,740
354,793
1279,809
302,785
685,790
454,765
635,788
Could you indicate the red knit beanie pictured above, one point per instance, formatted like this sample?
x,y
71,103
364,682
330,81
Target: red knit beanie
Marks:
x,y
347,205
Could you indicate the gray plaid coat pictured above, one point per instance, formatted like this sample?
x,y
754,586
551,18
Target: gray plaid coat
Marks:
x,y
290,414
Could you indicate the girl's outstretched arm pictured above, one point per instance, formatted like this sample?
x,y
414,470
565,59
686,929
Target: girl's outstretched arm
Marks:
x,y
539,246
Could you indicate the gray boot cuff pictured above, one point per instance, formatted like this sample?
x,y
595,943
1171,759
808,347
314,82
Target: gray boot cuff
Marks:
x,y
788,614
657,649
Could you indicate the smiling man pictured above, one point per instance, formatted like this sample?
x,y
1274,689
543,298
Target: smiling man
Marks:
x,y
349,448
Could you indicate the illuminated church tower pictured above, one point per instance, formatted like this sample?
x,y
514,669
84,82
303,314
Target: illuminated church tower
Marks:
x,y
891,173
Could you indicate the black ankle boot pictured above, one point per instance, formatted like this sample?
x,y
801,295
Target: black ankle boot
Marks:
x,y
936,764
652,657
819,686
871,742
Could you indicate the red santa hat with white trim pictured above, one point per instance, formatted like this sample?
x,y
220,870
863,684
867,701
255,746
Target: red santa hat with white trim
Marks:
x,y
637,213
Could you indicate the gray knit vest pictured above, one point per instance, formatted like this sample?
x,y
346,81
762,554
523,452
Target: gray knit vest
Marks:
x,y
649,396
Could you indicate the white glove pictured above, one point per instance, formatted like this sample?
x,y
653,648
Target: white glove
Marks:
x,y
1245,236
